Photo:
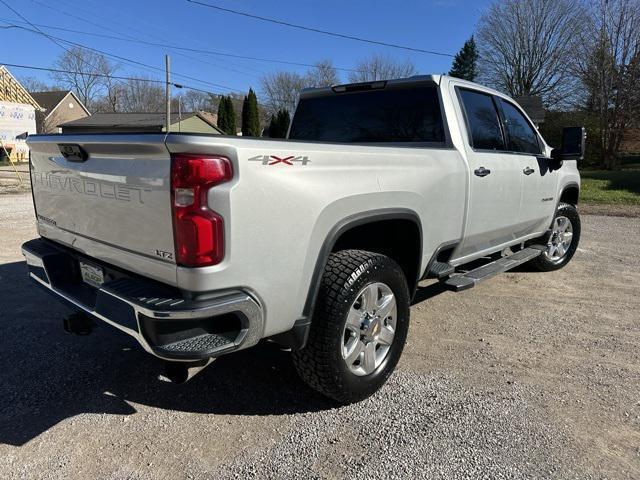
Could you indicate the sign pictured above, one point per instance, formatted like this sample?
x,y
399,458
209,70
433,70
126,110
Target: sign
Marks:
x,y
15,120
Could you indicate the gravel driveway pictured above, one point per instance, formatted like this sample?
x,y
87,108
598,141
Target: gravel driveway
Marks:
x,y
528,375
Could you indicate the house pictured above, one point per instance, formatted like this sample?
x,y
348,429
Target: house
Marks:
x,y
17,117
193,122
59,106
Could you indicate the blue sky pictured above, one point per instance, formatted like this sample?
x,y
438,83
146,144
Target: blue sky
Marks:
x,y
440,25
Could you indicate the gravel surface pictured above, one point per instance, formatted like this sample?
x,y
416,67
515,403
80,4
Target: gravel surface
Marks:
x,y
418,426
526,376
11,183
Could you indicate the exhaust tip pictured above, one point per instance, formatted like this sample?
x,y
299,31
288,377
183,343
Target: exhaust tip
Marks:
x,y
77,324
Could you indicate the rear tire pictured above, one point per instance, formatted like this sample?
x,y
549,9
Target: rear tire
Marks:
x,y
359,326
562,242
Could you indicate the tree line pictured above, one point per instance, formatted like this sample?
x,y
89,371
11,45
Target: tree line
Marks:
x,y
581,57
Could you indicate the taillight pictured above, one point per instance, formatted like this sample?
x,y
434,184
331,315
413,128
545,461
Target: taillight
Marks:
x,y
198,230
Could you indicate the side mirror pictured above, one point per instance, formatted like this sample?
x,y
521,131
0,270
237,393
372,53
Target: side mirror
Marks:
x,y
573,144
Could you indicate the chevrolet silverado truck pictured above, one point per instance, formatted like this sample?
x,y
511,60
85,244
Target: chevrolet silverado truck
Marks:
x,y
201,245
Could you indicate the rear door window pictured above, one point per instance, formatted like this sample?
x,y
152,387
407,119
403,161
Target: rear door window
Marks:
x,y
385,115
521,136
482,120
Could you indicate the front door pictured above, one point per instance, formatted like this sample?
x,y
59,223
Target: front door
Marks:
x,y
539,174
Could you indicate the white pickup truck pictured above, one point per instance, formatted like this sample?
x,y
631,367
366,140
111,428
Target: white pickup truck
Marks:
x,y
201,245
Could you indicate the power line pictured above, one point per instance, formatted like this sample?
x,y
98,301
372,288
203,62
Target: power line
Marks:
x,y
56,40
53,39
104,75
317,30
187,49
129,37
128,60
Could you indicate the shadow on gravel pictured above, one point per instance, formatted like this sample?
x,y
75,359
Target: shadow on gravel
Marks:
x,y
427,292
47,375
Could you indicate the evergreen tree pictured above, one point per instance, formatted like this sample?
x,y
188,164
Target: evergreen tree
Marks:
x,y
250,119
232,117
226,116
271,129
465,62
279,124
223,114
284,120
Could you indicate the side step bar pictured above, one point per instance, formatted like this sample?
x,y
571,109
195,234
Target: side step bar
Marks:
x,y
467,280
440,270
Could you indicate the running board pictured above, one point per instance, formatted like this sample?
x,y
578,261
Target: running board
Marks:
x,y
467,280
440,270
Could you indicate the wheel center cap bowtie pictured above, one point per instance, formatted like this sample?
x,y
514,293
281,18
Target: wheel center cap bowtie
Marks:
x,y
371,327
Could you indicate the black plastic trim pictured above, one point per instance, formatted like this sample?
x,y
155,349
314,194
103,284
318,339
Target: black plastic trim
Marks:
x,y
296,338
345,225
443,246
567,187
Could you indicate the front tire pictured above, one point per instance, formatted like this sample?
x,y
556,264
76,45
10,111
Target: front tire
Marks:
x,y
562,242
359,326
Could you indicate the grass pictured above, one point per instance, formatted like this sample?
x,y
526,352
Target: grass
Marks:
x,y
610,188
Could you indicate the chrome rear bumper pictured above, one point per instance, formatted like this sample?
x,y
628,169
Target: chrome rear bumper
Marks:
x,y
166,322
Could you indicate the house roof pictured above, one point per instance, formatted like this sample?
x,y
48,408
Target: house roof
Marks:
x,y
13,91
51,99
136,120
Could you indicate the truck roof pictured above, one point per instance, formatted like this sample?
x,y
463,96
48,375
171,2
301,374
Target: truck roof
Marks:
x,y
376,84
416,79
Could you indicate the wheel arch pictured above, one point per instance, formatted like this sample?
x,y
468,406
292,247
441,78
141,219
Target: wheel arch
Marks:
x,y
570,194
340,237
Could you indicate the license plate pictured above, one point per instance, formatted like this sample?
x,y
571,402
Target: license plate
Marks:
x,y
92,274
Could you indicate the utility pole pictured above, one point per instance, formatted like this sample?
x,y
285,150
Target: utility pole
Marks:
x,y
167,63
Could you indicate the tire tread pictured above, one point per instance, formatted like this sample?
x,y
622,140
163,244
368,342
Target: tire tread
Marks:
x,y
314,363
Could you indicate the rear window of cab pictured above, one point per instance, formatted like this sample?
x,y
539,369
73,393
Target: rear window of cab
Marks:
x,y
391,115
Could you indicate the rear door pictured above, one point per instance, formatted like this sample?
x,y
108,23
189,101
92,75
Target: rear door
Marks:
x,y
495,179
107,196
540,178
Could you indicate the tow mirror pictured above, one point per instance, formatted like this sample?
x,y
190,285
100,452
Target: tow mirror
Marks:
x,y
573,144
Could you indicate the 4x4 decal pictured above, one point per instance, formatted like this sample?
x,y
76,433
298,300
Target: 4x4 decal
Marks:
x,y
273,160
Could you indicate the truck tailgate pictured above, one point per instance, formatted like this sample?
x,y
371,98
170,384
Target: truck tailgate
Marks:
x,y
107,196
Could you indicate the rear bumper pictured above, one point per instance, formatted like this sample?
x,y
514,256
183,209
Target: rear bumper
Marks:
x,y
167,323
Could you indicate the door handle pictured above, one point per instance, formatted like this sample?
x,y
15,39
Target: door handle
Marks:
x,y
528,171
482,172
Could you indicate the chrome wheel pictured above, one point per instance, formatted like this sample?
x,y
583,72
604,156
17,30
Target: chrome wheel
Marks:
x,y
560,239
370,328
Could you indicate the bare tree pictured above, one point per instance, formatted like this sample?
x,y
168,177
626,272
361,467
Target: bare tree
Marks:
x,y
609,68
381,67
33,84
324,74
113,94
528,47
193,101
281,90
141,95
86,73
